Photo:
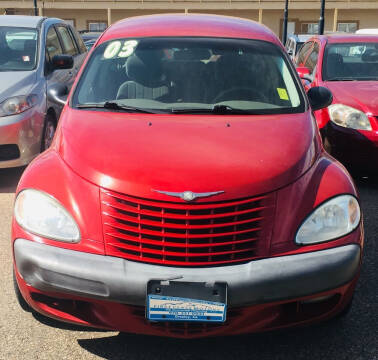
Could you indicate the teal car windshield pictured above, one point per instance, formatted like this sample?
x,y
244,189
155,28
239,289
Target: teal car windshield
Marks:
x,y
18,48
189,75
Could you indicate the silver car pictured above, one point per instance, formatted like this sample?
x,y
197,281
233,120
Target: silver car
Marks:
x,y
37,56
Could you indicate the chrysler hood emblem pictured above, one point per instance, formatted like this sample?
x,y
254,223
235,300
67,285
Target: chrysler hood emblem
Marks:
x,y
188,195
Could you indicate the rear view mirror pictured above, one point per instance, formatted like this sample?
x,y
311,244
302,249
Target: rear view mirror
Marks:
x,y
58,93
62,62
319,97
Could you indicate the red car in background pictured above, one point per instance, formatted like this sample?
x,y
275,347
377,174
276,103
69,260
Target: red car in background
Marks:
x,y
348,66
186,192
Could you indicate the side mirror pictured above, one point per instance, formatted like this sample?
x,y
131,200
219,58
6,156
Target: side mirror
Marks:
x,y
57,94
304,73
62,62
319,97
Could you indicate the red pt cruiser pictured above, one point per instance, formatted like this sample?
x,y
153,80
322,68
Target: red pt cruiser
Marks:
x,y
187,192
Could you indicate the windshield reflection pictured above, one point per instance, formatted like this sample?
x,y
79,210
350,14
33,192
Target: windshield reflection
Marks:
x,y
190,74
18,49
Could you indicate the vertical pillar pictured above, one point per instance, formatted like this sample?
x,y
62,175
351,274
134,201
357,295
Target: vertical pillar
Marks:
x,y
40,11
285,20
109,16
260,15
186,11
335,17
321,19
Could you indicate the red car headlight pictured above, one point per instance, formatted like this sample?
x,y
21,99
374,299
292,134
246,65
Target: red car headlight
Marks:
x,y
334,218
348,117
43,215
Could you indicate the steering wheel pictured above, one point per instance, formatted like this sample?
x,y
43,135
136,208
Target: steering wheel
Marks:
x,y
240,89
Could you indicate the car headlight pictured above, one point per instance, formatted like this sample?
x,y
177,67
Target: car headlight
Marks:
x,y
17,104
43,215
348,117
332,219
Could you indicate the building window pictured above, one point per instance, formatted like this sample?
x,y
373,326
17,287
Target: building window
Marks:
x,y
97,26
70,22
309,28
348,27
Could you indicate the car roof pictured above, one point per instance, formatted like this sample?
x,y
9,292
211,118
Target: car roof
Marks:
x,y
345,38
300,37
21,20
189,25
367,31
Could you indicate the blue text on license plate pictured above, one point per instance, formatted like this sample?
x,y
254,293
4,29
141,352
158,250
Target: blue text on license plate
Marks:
x,y
169,308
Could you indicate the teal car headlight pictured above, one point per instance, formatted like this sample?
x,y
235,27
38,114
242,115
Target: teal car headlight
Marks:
x,y
17,104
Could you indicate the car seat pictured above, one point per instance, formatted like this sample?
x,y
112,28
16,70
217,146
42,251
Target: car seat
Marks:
x,y
335,66
146,80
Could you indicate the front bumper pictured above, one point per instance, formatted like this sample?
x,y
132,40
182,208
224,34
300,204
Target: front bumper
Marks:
x,y
58,270
25,131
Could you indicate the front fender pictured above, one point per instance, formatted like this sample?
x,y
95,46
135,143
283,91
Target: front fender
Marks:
x,y
50,174
325,179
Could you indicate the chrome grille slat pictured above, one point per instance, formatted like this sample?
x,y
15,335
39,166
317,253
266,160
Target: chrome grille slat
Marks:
x,y
185,234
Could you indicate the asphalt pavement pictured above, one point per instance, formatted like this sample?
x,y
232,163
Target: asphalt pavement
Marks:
x,y
354,337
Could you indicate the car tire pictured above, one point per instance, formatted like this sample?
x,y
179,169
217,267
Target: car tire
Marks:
x,y
20,299
48,133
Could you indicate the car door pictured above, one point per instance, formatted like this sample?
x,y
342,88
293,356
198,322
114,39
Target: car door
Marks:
x,y
311,63
54,47
70,48
303,53
80,46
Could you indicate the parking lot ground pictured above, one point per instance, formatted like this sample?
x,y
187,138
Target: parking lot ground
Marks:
x,y
24,336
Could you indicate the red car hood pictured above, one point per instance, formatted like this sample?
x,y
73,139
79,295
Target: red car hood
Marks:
x,y
362,95
135,153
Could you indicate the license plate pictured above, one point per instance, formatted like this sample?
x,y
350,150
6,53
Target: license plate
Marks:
x,y
170,301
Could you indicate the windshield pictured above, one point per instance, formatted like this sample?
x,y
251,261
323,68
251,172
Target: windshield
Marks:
x,y
351,61
18,48
189,74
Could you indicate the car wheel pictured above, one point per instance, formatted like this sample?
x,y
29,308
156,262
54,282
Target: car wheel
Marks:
x,y
48,132
20,299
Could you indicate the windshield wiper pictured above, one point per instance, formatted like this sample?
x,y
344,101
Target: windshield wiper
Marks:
x,y
114,106
217,109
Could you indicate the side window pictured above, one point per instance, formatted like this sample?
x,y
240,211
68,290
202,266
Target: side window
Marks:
x,y
312,59
79,40
68,42
289,46
303,53
52,44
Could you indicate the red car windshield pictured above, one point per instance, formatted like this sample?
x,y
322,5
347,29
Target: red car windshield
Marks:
x,y
190,74
18,48
351,61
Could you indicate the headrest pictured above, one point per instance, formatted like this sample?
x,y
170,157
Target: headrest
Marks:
x,y
144,67
29,45
370,55
335,59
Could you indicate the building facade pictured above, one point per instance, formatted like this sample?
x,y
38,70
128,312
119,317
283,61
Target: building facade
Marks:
x,y
96,15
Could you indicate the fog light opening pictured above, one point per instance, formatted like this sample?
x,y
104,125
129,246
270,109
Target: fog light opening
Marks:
x,y
316,299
